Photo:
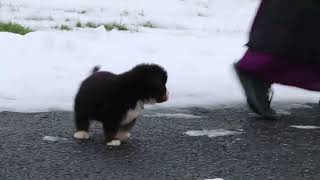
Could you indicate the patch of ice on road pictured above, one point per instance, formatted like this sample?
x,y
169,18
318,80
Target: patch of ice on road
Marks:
x,y
212,133
214,179
53,138
305,127
174,115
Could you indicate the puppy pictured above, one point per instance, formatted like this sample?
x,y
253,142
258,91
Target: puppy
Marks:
x,y
117,100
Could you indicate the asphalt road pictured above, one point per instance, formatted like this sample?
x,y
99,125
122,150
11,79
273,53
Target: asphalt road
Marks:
x,y
40,146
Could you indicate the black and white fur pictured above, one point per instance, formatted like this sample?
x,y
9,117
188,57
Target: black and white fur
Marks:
x,y
117,100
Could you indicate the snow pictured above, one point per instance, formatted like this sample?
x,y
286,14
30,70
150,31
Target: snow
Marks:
x,y
53,138
173,14
211,133
195,40
283,112
174,115
305,127
298,105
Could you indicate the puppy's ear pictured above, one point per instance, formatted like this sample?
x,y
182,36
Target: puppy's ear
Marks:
x,y
96,69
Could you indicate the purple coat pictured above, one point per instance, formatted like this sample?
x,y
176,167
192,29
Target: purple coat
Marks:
x,y
287,28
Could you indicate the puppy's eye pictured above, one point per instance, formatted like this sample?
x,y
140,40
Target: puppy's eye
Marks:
x,y
165,81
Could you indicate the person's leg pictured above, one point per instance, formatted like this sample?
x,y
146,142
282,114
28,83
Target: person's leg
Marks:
x,y
257,92
257,71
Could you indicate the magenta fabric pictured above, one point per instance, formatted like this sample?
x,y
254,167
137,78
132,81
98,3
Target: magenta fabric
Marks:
x,y
282,71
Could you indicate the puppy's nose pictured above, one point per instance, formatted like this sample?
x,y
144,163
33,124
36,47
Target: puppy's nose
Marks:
x,y
165,97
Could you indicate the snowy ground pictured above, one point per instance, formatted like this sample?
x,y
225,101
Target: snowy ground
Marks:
x,y
195,40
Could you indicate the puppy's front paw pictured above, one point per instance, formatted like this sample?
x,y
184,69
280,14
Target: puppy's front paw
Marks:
x,y
114,143
81,135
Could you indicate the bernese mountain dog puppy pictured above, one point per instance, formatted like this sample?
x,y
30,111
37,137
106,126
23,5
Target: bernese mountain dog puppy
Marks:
x,y
117,100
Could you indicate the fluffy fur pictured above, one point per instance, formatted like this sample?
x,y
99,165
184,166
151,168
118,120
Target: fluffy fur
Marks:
x,y
116,100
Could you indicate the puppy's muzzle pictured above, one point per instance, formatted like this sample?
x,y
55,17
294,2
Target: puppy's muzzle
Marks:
x,y
164,98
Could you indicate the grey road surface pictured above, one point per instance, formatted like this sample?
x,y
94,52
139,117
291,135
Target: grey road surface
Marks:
x,y
41,146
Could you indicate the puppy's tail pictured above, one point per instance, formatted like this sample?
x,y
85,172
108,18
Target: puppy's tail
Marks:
x,y
96,69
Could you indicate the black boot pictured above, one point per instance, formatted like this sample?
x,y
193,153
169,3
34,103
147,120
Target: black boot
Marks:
x,y
258,93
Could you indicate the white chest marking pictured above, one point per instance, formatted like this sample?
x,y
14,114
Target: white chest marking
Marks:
x,y
133,113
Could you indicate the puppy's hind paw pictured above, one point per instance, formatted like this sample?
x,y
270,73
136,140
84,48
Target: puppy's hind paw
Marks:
x,y
128,135
81,135
114,143
123,135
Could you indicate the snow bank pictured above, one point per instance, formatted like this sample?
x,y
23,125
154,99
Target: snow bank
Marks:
x,y
42,70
